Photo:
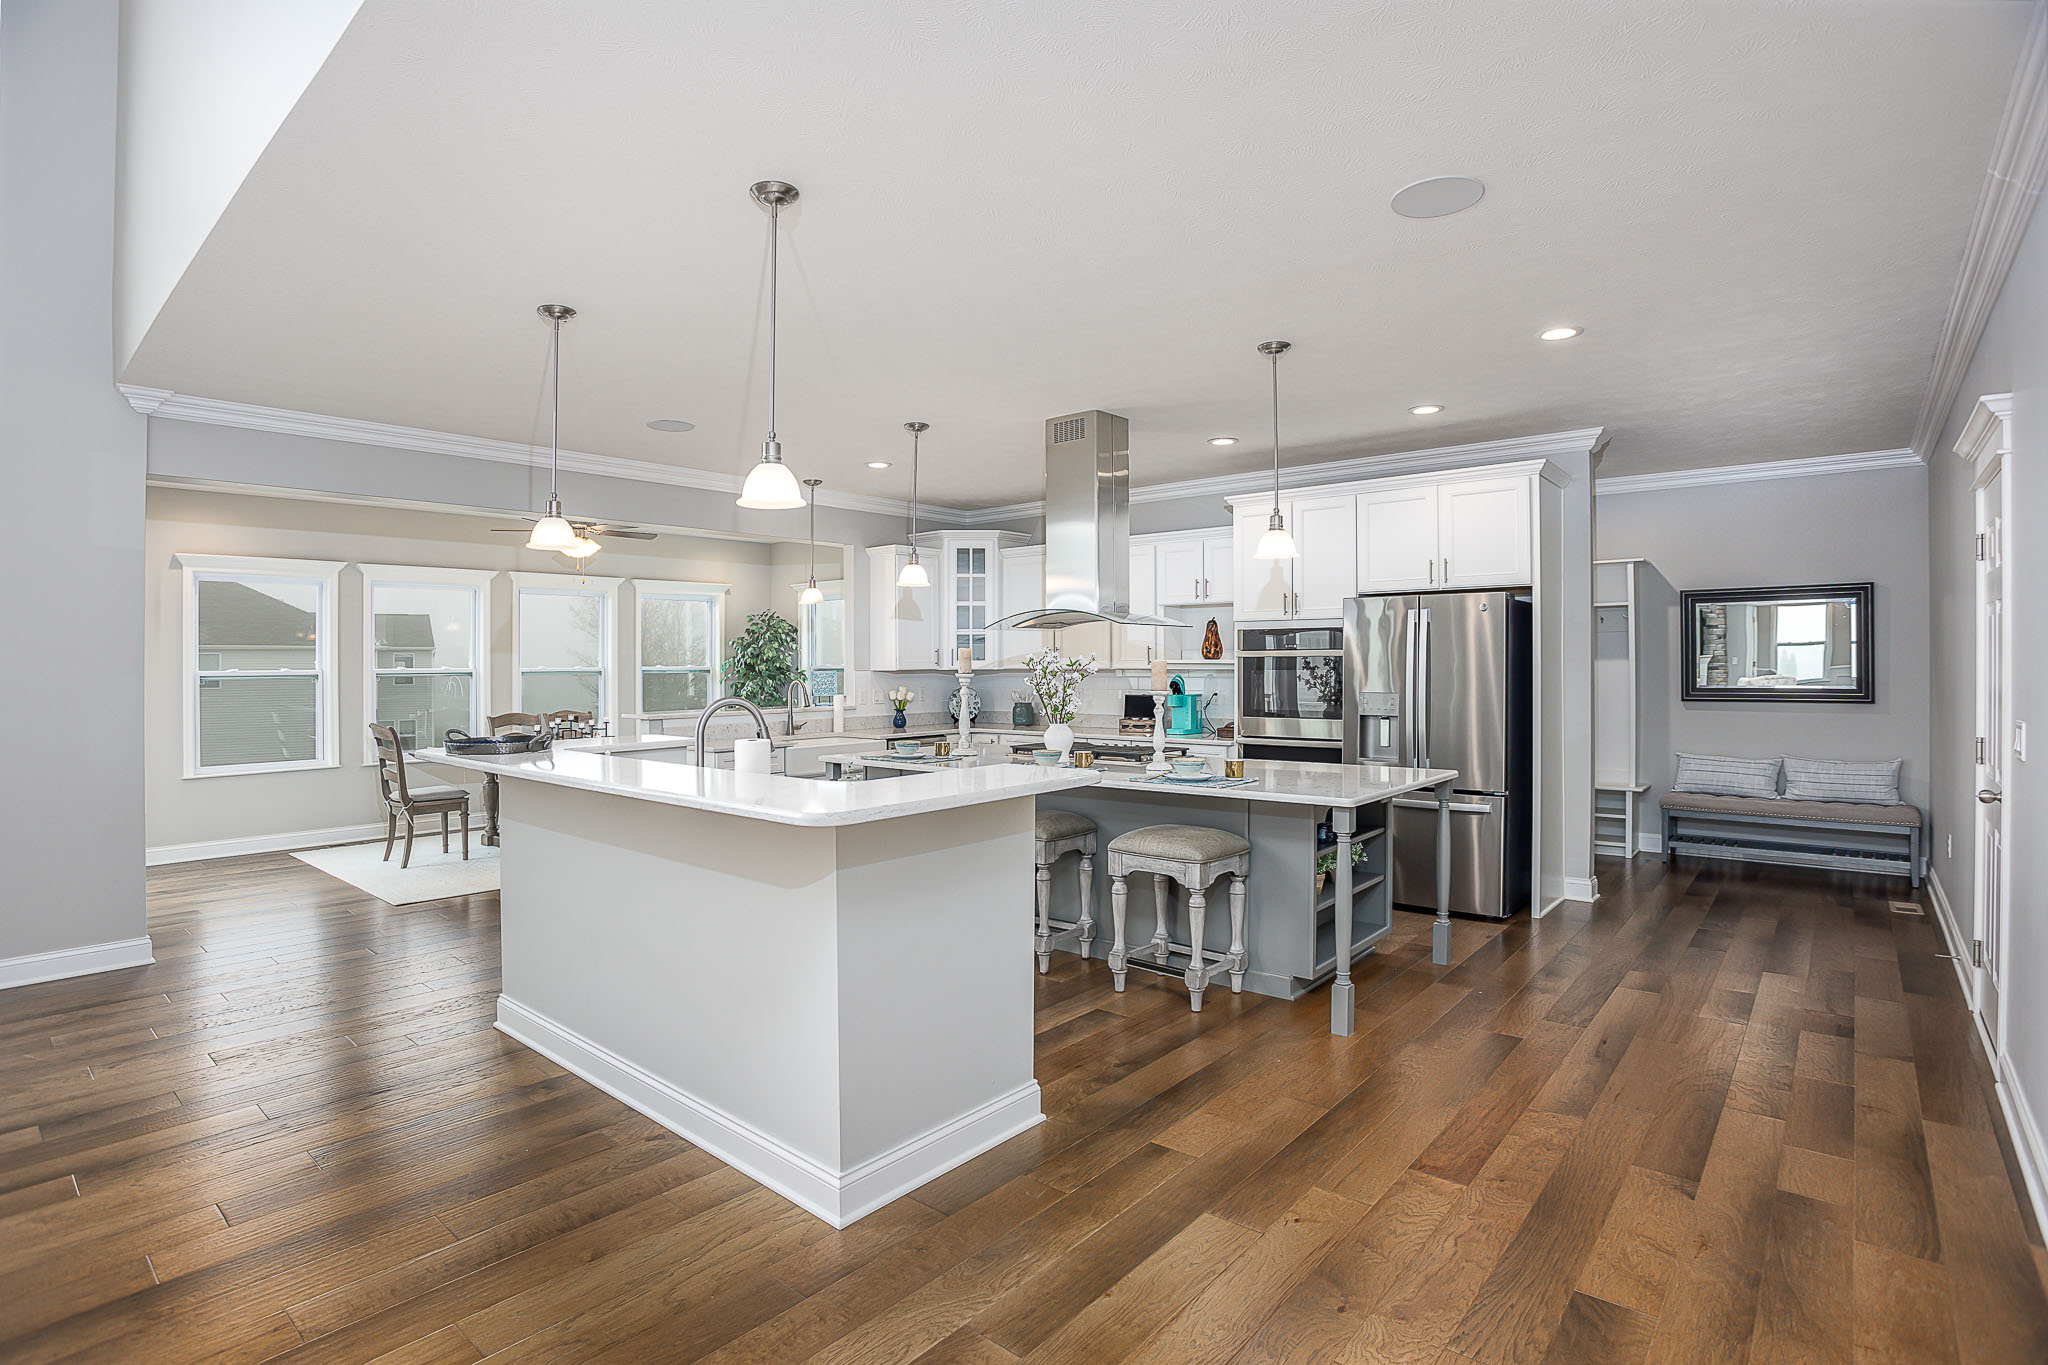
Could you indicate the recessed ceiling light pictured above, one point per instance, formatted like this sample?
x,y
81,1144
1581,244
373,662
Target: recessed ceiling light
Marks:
x,y
1427,409
1559,333
1222,440
878,464
1438,197
671,424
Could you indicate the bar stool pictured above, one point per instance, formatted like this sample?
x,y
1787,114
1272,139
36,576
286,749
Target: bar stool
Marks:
x,y
1056,834
1194,857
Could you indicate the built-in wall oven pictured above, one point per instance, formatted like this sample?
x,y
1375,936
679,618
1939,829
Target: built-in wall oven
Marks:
x,y
1290,692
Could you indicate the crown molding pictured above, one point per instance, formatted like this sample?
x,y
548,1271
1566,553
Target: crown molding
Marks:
x,y
2005,206
1988,431
1434,460
181,407
1819,465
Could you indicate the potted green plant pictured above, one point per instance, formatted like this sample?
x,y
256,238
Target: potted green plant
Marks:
x,y
761,662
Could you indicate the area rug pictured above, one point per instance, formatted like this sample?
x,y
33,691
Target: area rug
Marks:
x,y
433,876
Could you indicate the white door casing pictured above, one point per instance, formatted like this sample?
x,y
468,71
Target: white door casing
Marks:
x,y
1986,444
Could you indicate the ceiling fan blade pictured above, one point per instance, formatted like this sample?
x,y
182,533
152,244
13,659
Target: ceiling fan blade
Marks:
x,y
512,530
622,535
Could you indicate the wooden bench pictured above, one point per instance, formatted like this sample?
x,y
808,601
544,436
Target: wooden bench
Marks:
x,y
1847,836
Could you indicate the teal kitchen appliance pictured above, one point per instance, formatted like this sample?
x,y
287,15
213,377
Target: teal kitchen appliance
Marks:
x,y
1183,710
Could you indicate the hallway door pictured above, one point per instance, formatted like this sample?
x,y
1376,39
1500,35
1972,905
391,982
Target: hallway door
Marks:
x,y
1993,668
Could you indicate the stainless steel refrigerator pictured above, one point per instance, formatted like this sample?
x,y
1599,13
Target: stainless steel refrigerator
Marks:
x,y
1443,680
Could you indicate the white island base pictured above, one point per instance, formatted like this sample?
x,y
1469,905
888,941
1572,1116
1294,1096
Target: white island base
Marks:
x,y
841,1011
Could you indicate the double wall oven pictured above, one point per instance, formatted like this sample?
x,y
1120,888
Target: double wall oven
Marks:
x,y
1290,692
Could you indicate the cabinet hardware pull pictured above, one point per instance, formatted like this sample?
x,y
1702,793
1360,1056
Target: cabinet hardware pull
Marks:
x,y
1447,570
1432,572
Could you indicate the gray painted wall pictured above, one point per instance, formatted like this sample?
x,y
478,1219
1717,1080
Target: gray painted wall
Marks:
x,y
2011,358
1845,528
74,457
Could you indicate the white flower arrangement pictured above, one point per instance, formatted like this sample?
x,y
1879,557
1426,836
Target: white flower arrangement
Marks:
x,y
1055,679
901,697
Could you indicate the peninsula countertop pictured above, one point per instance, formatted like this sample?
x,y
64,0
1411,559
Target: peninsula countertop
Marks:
x,y
655,774
1273,780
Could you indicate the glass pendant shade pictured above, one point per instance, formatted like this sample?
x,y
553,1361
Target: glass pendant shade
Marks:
x,y
554,534
771,487
811,595
913,576
1275,543
584,548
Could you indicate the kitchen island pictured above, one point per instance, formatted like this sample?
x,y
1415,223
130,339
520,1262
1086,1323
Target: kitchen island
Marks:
x,y
1295,815
825,984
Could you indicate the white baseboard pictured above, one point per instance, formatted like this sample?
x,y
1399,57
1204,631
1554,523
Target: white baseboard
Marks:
x,y
1958,949
261,843
2026,1137
1582,889
1649,843
840,1197
60,963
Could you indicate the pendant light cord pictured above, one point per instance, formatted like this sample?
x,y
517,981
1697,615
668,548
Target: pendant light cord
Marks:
x,y
1276,433
913,492
814,536
774,254
555,423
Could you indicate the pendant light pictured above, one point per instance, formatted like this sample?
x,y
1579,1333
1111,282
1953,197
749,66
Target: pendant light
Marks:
x,y
1275,543
769,484
913,574
811,595
553,531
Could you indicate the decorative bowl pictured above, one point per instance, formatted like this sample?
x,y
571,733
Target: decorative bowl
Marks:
x,y
1046,758
1189,767
907,748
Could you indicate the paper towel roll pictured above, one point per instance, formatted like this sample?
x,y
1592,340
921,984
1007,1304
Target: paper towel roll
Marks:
x,y
751,756
839,713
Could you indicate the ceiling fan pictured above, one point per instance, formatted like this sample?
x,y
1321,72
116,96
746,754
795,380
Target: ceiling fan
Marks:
x,y
553,531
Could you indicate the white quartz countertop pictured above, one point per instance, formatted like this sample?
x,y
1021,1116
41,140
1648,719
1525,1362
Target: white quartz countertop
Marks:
x,y
764,796
1299,784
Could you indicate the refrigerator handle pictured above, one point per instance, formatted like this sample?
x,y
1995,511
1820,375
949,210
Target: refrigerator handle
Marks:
x,y
1410,745
1422,692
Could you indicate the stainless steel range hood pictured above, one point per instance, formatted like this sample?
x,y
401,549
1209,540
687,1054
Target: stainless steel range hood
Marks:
x,y
1087,526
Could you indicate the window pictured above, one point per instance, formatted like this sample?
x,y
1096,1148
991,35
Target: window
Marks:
x,y
562,638
426,652
1802,631
680,627
821,642
259,664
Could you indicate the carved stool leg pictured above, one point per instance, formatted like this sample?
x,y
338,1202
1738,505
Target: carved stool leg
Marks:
x,y
1087,921
1044,918
1162,899
1198,966
1119,893
1237,958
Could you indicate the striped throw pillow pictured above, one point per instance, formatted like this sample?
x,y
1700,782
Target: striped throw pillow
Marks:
x,y
1820,779
1722,776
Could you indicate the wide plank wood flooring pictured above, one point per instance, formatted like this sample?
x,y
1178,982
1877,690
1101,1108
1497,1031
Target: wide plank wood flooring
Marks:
x,y
1727,1114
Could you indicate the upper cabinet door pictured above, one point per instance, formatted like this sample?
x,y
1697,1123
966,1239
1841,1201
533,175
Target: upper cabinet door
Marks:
x,y
1217,574
1397,539
903,623
1023,583
1484,533
1265,587
1180,573
1138,646
1326,574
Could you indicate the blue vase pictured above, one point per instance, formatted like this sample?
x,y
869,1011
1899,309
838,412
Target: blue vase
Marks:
x,y
902,722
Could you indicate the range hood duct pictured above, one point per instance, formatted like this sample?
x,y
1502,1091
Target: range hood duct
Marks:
x,y
1087,526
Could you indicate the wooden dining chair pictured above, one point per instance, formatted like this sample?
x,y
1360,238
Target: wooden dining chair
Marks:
x,y
403,799
513,720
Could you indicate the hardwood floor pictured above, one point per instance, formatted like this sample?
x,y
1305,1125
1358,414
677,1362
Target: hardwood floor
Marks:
x,y
1726,1114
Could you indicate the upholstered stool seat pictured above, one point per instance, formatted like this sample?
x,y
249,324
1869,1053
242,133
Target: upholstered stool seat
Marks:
x,y
1195,857
1054,835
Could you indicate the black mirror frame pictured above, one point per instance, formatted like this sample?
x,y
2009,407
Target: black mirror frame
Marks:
x,y
1862,594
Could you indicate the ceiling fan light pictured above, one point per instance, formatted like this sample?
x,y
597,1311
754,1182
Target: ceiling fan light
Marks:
x,y
584,548
811,595
913,575
1275,543
771,487
554,534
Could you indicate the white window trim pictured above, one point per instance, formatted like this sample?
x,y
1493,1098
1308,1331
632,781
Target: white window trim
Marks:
x,y
834,590
607,590
326,572
403,575
644,588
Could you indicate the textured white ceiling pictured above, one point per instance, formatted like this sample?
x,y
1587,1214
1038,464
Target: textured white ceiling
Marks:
x,y
1015,210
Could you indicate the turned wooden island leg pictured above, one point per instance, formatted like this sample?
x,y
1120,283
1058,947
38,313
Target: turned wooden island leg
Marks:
x,y
1344,820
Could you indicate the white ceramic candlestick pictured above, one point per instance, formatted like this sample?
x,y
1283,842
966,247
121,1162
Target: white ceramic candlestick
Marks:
x,y
966,721
1158,763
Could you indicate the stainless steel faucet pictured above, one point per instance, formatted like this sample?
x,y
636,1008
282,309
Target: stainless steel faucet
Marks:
x,y
789,703
760,723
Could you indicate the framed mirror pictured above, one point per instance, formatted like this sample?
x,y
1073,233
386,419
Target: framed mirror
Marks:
x,y
1808,643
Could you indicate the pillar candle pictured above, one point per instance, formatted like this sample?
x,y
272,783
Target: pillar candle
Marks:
x,y
1159,683
966,660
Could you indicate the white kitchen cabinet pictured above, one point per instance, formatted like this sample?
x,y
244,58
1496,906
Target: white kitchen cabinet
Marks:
x,y
1483,533
973,587
1217,573
1317,580
1397,539
1023,587
1138,646
1180,571
903,623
